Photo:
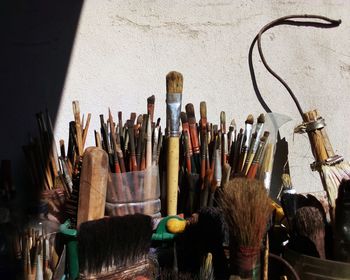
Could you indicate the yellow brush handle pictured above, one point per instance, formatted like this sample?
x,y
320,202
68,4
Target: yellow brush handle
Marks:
x,y
172,174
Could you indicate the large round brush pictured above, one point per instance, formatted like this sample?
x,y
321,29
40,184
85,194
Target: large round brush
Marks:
x,y
174,82
246,208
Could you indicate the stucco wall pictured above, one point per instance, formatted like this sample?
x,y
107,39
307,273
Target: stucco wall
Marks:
x,y
124,49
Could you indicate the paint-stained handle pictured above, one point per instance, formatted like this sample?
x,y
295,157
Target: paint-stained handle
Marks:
x,y
172,174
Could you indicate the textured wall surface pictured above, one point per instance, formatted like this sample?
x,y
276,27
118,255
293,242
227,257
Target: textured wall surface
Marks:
x,y
124,49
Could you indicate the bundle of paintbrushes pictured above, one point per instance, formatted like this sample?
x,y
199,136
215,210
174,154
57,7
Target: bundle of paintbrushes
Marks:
x,y
37,251
55,177
211,155
133,150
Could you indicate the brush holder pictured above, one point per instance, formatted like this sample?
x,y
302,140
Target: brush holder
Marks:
x,y
246,263
133,192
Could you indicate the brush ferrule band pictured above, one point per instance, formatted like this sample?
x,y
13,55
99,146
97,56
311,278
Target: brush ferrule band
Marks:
x,y
173,103
310,126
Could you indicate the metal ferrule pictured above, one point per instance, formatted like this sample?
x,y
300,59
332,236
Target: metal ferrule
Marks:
x,y
173,105
247,135
225,141
259,130
218,170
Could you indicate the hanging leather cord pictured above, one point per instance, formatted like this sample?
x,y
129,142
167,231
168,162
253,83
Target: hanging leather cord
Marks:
x,y
286,20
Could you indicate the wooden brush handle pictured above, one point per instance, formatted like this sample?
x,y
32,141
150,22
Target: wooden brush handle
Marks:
x,y
172,174
93,185
320,144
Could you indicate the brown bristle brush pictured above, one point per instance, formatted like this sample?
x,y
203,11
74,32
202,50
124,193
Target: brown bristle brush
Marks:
x,y
246,208
116,248
309,222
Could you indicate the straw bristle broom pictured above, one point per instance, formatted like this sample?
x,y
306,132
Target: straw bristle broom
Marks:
x,y
331,167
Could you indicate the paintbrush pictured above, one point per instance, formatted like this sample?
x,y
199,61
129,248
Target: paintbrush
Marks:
x,y
246,208
189,152
193,134
254,143
116,248
174,86
231,137
155,141
150,107
236,153
245,142
308,222
258,156
204,140
78,128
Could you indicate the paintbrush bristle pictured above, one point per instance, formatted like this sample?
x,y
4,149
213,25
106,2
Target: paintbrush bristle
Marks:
x,y
203,109
183,117
190,111
261,118
246,209
174,82
133,117
223,117
232,125
266,134
114,243
309,222
250,119
139,119
151,99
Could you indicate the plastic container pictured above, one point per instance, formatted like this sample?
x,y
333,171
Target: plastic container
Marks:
x,y
133,192
317,269
151,207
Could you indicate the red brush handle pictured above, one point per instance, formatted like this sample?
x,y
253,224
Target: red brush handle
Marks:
x,y
253,170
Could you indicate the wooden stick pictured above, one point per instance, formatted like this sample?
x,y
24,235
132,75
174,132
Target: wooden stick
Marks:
x,y
86,129
78,129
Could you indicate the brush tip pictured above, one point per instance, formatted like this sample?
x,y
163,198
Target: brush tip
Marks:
x,y
183,117
203,109
190,110
151,99
261,118
222,117
250,119
266,134
174,82
233,124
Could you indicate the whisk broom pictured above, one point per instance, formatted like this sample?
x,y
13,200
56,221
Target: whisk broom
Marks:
x,y
331,167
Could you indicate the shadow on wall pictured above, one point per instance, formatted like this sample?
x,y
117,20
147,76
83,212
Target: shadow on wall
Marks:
x,y
36,42
37,37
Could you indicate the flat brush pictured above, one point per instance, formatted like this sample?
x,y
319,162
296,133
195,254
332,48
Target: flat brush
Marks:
x,y
115,248
174,86
246,141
